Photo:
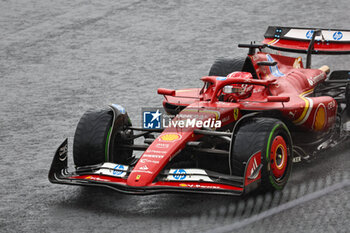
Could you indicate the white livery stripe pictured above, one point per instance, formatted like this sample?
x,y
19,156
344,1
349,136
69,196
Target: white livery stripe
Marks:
x,y
112,169
328,35
188,174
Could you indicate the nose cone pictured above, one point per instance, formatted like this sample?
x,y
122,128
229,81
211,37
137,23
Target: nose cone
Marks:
x,y
157,155
143,173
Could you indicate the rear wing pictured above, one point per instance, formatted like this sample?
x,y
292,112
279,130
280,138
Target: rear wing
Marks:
x,y
298,40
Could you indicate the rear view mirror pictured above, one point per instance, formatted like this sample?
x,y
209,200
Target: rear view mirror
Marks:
x,y
163,91
278,99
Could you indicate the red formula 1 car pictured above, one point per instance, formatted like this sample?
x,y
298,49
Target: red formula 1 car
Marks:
x,y
241,131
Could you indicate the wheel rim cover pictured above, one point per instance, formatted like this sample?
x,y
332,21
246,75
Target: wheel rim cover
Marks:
x,y
278,156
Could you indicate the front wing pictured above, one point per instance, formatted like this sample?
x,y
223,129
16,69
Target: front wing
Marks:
x,y
114,176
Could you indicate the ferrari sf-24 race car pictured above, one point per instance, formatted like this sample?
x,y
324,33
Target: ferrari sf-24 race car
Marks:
x,y
240,132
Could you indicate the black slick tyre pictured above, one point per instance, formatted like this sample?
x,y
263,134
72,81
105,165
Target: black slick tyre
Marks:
x,y
272,138
92,135
224,66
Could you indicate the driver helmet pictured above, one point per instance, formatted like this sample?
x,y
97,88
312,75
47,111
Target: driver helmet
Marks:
x,y
241,90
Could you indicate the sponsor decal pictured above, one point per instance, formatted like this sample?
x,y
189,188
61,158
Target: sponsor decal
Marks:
x,y
309,34
331,105
296,159
62,152
95,178
202,113
255,166
326,35
138,177
157,151
252,165
142,171
274,69
112,169
149,161
119,167
152,156
162,145
221,78
337,35
235,113
179,174
198,186
152,119
120,108
316,79
188,174
297,63
145,168
170,137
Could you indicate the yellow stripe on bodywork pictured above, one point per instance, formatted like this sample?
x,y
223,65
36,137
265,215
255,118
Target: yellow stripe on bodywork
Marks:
x,y
307,109
272,41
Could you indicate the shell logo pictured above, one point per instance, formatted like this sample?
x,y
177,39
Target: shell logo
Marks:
x,y
320,118
183,185
170,137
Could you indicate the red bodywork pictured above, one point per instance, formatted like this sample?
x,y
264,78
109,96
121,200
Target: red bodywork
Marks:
x,y
286,88
293,81
287,79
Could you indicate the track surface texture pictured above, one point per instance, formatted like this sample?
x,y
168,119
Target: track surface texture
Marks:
x,y
61,58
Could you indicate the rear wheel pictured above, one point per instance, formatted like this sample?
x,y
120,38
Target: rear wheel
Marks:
x,y
92,135
272,138
224,66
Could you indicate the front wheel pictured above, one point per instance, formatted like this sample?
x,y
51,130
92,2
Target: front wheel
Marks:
x,y
272,138
94,141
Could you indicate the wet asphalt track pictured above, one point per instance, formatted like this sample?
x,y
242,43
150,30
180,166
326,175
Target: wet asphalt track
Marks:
x,y
59,59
